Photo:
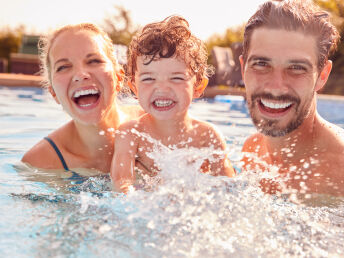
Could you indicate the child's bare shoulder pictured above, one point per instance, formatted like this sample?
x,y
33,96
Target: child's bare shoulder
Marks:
x,y
207,134
204,128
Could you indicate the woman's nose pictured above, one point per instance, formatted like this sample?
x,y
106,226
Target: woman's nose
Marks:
x,y
80,75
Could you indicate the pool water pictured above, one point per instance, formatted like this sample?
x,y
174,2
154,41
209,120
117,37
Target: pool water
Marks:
x,y
187,214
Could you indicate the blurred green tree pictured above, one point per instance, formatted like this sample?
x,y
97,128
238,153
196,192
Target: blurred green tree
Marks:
x,y
10,40
120,26
335,84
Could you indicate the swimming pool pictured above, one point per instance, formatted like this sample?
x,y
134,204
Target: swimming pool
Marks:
x,y
188,215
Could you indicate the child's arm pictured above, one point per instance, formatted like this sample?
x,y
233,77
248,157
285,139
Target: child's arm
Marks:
x,y
123,161
221,165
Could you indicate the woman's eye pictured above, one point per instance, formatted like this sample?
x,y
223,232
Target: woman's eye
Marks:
x,y
95,60
61,67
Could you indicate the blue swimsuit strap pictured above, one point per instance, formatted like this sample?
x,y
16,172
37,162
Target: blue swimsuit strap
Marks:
x,y
75,176
58,152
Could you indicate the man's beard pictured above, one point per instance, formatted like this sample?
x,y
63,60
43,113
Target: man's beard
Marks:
x,y
269,127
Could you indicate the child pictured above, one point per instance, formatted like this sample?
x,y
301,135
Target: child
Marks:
x,y
167,68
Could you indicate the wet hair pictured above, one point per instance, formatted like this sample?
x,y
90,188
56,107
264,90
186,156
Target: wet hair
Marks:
x,y
45,43
169,38
295,15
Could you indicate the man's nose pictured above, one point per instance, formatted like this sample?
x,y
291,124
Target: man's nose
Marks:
x,y
278,82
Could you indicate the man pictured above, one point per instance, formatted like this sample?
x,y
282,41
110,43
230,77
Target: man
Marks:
x,y
284,64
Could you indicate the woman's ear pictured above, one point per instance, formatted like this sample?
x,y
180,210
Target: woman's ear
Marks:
x,y
200,87
323,76
52,92
120,79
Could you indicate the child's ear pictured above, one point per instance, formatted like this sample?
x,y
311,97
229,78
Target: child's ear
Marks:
x,y
323,76
132,87
52,92
200,88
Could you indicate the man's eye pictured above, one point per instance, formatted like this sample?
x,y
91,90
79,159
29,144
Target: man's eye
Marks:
x,y
260,64
299,68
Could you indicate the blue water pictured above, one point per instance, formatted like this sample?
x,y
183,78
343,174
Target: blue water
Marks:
x,y
187,215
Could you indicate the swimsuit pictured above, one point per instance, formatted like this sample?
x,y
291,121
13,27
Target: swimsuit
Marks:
x,y
75,176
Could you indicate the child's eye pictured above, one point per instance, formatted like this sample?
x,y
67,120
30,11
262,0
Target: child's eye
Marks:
x,y
177,78
147,79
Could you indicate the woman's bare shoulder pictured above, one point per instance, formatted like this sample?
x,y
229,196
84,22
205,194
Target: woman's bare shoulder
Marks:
x,y
42,155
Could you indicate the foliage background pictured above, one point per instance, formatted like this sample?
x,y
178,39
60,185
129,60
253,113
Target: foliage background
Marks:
x,y
121,30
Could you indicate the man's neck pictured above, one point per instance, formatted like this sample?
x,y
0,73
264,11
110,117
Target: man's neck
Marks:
x,y
296,145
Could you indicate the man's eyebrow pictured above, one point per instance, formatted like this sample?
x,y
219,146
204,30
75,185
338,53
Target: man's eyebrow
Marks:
x,y
255,58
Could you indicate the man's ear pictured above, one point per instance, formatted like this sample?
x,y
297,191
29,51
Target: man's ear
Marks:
x,y
200,87
132,87
241,59
52,92
323,76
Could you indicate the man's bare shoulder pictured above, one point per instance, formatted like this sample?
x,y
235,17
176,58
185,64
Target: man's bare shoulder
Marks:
x,y
334,136
252,142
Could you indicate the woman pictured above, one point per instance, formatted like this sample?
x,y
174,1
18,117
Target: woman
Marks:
x,y
81,73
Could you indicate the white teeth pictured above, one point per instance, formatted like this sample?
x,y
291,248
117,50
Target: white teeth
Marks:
x,y
85,105
275,105
85,92
163,103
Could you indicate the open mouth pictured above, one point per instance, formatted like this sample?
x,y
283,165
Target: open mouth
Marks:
x,y
275,107
163,104
86,98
